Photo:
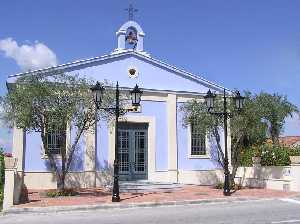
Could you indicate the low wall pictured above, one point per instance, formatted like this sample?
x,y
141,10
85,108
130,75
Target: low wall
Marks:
x,y
285,178
47,180
200,177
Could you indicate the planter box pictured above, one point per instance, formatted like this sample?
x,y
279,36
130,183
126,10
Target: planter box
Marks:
x,y
10,162
256,160
295,159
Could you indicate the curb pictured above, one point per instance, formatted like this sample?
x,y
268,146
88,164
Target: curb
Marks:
x,y
107,206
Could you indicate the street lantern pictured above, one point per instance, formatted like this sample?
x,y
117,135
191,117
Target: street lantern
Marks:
x,y
209,99
136,95
239,100
98,90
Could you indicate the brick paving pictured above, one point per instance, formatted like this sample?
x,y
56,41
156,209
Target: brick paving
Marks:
x,y
188,192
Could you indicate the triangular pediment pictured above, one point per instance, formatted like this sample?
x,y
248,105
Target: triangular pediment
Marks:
x,y
150,73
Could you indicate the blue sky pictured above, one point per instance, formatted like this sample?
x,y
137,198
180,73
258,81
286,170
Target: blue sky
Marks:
x,y
250,45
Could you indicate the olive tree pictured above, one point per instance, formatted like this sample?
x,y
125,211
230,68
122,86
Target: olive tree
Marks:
x,y
274,109
40,103
245,126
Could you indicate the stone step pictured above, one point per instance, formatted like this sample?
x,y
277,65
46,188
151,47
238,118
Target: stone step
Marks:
x,y
146,186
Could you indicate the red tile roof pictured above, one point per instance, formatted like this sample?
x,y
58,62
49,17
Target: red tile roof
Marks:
x,y
289,140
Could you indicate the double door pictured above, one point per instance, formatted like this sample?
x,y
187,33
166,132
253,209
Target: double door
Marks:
x,y
132,148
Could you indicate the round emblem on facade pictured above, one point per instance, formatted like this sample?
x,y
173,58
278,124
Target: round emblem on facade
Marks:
x,y
133,72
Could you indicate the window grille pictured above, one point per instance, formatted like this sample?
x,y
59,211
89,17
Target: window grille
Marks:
x,y
55,140
198,146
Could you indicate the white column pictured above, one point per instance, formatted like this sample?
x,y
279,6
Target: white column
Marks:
x,y
9,188
121,39
10,182
172,137
15,174
18,147
90,158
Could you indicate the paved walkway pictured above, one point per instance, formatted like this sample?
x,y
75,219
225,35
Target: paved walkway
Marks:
x,y
187,192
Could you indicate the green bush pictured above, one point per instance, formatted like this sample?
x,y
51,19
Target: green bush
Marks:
x,y
276,155
62,193
246,157
220,185
295,151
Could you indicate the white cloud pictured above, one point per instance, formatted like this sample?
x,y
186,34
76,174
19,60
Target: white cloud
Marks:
x,y
28,57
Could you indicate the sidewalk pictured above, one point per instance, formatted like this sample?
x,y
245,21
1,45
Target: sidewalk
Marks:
x,y
99,199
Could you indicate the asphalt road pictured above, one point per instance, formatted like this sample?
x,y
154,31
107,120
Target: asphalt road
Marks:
x,y
264,211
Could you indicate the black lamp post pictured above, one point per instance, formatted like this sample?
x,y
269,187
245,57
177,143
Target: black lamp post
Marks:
x,y
239,101
136,94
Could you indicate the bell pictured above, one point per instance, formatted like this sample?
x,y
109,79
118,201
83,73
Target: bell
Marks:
x,y
131,38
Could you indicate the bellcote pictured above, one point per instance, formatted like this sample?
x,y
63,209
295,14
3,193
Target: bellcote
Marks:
x,y
130,37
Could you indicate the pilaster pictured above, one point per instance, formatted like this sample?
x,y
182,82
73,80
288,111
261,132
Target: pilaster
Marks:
x,y
18,147
90,156
172,137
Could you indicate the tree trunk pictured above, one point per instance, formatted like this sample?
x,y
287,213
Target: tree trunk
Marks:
x,y
61,182
235,158
232,176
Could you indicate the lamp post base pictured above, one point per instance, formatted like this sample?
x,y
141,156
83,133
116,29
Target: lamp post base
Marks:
x,y
115,198
116,190
226,190
226,193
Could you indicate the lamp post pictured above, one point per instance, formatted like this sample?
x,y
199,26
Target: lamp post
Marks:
x,y
239,101
136,94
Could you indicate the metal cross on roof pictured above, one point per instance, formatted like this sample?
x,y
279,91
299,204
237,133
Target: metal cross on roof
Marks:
x,y
131,12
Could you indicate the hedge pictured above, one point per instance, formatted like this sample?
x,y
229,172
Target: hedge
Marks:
x,y
271,155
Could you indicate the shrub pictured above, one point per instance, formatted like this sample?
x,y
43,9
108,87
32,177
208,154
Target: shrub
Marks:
x,y
246,157
295,151
220,185
271,155
275,155
62,193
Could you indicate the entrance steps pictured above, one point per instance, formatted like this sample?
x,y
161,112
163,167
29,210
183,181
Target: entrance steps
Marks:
x,y
145,186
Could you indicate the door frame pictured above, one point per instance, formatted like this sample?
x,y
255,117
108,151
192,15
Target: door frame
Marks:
x,y
151,140
132,129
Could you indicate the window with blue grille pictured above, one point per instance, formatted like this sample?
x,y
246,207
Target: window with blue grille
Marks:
x,y
198,146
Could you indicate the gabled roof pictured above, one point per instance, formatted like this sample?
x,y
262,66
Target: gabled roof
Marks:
x,y
114,55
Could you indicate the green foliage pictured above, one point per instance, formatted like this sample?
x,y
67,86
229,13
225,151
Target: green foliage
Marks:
x,y
61,193
34,102
263,115
271,155
275,155
1,177
274,108
41,102
295,151
245,126
246,157
220,185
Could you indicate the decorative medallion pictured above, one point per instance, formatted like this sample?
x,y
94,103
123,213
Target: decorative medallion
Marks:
x,y
133,72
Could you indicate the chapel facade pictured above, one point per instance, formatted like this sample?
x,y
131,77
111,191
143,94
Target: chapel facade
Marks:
x,y
154,144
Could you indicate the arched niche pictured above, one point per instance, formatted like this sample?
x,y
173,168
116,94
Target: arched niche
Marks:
x,y
121,35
